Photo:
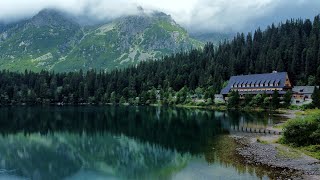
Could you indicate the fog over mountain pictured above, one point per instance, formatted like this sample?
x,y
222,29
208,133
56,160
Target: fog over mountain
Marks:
x,y
194,15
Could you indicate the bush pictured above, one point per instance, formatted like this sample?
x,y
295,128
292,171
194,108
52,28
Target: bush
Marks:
x,y
303,131
209,102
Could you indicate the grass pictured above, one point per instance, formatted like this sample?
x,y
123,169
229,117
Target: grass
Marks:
x,y
288,152
312,150
262,141
278,126
309,112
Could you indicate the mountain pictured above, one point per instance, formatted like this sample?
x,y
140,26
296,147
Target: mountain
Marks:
x,y
214,38
52,40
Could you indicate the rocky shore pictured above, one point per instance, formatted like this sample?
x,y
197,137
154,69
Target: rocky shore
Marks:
x,y
262,150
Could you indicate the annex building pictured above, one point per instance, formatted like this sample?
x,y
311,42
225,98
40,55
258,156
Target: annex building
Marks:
x,y
302,95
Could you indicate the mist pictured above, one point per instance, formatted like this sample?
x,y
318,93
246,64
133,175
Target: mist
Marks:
x,y
194,15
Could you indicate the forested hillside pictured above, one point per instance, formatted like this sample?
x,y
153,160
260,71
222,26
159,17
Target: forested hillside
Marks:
x,y
292,47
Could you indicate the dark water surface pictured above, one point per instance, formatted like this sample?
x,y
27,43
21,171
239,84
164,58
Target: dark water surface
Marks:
x,y
107,142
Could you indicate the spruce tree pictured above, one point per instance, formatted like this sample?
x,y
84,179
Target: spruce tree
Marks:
x,y
275,100
234,99
287,98
316,97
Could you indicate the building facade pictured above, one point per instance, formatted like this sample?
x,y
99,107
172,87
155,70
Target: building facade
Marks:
x,y
302,95
258,84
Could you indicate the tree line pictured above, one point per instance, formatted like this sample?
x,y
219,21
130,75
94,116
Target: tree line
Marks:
x,y
292,46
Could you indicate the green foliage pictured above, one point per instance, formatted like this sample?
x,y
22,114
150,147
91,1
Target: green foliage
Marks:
x,y
287,99
303,131
60,44
234,99
199,92
183,72
257,101
316,97
312,150
209,102
113,98
275,101
247,99
122,100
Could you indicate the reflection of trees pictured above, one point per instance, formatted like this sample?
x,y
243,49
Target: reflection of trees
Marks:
x,y
245,119
63,154
181,129
194,131
176,128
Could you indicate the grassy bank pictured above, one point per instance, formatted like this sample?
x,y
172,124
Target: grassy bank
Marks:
x,y
303,132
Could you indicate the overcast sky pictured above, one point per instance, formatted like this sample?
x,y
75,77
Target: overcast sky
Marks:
x,y
195,15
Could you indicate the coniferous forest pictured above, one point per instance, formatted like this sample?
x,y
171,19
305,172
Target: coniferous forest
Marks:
x,y
293,46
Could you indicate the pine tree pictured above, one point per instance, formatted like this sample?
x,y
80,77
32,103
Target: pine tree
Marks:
x,y
275,102
287,98
318,76
234,99
316,97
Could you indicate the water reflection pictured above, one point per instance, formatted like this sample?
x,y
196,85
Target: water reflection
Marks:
x,y
125,142
63,154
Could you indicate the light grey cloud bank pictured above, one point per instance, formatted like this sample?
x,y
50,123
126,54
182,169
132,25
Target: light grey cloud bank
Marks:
x,y
195,15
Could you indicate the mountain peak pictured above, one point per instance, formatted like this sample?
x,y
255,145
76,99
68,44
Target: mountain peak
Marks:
x,y
51,17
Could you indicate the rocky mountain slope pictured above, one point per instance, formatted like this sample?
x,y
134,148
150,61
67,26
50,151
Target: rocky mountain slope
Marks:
x,y
215,38
51,40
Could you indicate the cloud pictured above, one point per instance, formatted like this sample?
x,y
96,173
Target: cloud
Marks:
x,y
195,15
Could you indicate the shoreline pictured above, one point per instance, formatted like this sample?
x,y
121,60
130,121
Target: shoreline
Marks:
x,y
263,149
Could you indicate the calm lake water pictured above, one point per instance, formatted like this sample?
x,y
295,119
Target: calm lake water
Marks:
x,y
106,142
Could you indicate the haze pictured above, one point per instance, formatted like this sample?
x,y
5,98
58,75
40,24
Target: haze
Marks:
x,y
195,15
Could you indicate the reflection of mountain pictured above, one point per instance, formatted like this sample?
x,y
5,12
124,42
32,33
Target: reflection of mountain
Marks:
x,y
180,129
130,142
62,154
174,128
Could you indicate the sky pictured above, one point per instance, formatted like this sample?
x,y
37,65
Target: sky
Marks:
x,y
194,15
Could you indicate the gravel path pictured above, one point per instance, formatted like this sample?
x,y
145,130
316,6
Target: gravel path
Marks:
x,y
276,155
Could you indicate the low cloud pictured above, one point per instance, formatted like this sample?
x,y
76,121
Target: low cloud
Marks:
x,y
195,15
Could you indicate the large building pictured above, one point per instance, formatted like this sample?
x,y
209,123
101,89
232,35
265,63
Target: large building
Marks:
x,y
258,84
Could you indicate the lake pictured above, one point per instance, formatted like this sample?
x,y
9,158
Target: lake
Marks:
x,y
124,142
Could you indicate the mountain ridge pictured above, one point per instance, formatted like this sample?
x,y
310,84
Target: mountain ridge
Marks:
x,y
51,40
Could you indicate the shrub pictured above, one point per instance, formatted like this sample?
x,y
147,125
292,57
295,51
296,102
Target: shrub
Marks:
x,y
303,131
209,102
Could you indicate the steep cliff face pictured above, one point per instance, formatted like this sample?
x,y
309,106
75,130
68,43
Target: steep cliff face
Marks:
x,y
52,41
